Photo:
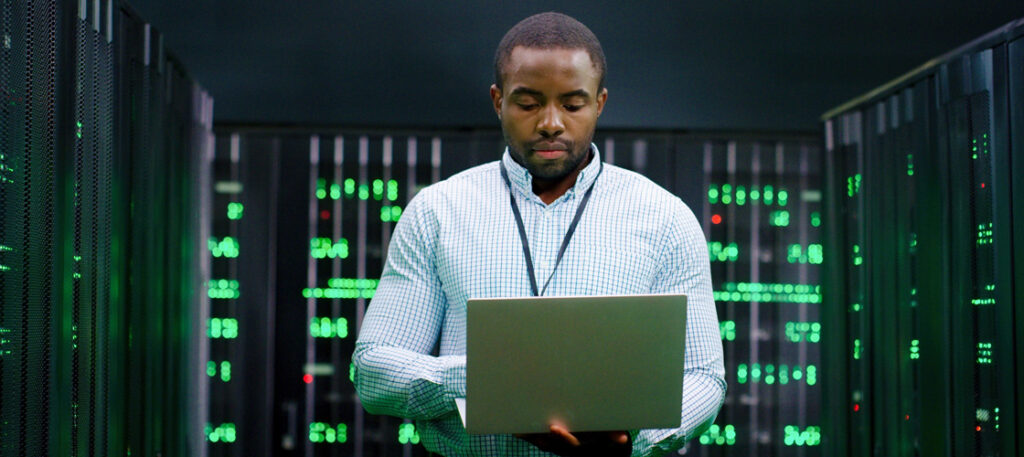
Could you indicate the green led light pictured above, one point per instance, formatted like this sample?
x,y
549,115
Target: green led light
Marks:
x,y
720,436
713,194
322,432
321,188
335,191
984,353
783,374
741,373
364,192
225,371
223,288
769,194
815,219
812,375
754,194
741,196
324,248
910,164
352,372
350,187
768,292
235,211
227,247
224,433
720,253
858,259
796,437
726,199
343,288
779,218
915,350
378,189
798,332
407,434
728,330
325,327
853,185
78,129
392,190
782,197
984,234
226,328
857,348
390,213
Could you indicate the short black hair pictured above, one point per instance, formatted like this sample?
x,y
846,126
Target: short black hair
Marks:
x,y
548,31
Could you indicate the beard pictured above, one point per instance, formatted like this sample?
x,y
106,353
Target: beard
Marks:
x,y
576,153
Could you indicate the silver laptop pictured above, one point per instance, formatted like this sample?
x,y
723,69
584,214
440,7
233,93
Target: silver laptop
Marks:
x,y
588,363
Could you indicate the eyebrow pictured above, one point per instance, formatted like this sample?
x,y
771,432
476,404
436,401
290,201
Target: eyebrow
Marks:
x,y
537,93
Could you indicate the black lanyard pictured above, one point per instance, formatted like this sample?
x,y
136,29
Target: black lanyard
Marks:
x,y
522,229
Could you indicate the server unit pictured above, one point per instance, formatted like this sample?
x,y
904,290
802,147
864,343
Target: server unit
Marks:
x,y
100,136
320,205
923,311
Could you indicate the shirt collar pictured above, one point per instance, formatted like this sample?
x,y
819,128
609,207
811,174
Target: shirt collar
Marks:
x,y
522,181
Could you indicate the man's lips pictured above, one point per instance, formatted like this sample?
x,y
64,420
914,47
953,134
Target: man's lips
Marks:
x,y
549,150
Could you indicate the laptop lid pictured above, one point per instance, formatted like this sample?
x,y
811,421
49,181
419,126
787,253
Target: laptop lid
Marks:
x,y
589,363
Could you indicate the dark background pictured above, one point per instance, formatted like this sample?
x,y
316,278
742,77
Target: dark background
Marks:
x,y
678,64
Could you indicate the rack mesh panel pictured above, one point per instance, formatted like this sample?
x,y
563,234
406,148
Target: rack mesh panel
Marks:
x,y
76,301
920,195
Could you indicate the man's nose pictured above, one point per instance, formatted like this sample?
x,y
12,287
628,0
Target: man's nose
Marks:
x,y
550,124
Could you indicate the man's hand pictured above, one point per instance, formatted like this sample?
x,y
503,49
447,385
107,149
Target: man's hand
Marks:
x,y
597,444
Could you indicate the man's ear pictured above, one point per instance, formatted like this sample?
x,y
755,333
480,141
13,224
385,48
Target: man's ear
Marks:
x,y
601,99
496,99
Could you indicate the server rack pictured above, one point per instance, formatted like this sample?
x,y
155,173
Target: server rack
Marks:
x,y
925,354
96,264
329,199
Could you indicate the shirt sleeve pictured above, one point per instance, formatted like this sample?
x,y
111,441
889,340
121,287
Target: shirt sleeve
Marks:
x,y
685,269
394,371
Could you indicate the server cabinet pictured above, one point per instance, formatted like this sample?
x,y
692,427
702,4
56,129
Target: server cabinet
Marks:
x,y
96,240
926,356
331,198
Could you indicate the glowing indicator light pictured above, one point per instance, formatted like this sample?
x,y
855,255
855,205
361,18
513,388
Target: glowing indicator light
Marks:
x,y
407,434
325,327
390,213
325,248
226,247
856,407
815,219
321,188
716,219
224,433
728,330
235,211
307,378
324,214
720,253
321,432
720,436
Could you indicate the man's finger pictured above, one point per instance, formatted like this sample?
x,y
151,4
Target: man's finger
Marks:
x,y
564,434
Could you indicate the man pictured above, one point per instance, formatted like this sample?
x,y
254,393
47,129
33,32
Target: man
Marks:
x,y
464,238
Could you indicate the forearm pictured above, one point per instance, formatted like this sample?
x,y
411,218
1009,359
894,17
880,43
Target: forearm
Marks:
x,y
404,383
703,394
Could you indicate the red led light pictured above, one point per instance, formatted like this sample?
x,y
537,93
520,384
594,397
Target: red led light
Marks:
x,y
982,185
978,428
856,407
907,417
325,214
716,219
308,378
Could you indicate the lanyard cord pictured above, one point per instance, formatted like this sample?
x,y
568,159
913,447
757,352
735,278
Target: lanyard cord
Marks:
x,y
522,229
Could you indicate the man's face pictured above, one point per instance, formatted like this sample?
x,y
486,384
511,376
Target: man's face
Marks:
x,y
548,108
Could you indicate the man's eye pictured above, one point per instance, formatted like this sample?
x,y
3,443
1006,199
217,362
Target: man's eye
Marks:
x,y
527,107
573,108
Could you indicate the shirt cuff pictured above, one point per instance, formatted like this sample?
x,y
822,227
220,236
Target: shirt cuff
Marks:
x,y
454,377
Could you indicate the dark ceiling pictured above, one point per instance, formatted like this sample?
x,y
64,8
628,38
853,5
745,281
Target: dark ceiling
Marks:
x,y
672,64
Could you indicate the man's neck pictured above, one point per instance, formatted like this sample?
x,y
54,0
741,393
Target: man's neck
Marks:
x,y
550,189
